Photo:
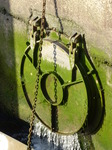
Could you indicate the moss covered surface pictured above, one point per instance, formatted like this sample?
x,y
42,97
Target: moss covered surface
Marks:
x,y
12,99
103,64
11,95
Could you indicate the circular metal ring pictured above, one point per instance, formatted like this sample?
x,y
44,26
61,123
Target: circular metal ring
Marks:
x,y
50,81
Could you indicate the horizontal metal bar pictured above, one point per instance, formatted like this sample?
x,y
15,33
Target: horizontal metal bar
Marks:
x,y
72,83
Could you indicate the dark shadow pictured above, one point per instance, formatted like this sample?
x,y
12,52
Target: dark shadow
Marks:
x,y
16,128
100,105
8,81
86,139
95,93
57,15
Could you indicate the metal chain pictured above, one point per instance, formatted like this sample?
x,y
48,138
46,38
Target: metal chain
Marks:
x,y
54,109
55,70
38,74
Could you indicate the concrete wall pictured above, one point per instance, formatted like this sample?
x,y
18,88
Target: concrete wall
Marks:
x,y
8,143
93,18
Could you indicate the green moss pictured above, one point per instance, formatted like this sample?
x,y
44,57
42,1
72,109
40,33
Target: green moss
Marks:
x,y
55,36
20,46
102,140
11,95
100,57
11,52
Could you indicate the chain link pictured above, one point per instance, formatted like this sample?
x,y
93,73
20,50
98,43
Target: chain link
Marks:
x,y
37,75
55,70
54,109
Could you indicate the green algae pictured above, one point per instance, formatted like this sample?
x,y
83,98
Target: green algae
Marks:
x,y
100,57
10,80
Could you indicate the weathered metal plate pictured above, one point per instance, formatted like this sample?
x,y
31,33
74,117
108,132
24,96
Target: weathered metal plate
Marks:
x,y
71,111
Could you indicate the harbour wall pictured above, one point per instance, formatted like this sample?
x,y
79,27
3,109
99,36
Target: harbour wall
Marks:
x,y
92,18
